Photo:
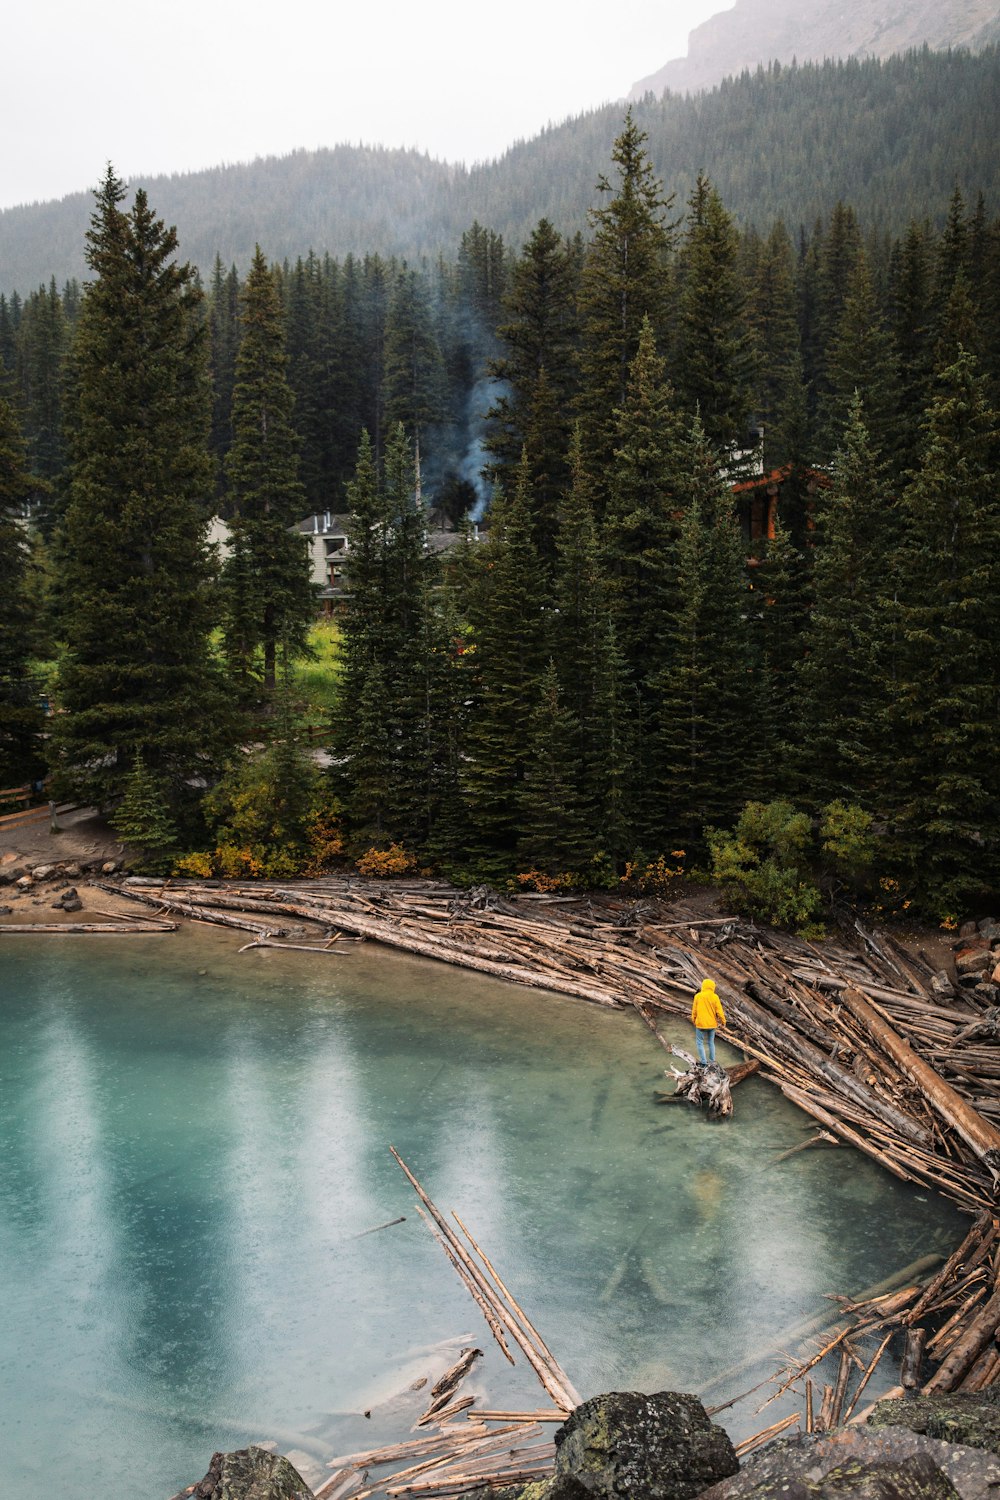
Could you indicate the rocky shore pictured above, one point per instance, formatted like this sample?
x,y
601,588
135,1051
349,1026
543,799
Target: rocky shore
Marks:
x,y
630,1446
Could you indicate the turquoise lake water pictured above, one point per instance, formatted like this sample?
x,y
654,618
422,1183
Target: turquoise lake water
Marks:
x,y
191,1140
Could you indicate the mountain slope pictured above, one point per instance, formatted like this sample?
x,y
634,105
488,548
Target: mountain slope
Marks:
x,y
757,32
891,138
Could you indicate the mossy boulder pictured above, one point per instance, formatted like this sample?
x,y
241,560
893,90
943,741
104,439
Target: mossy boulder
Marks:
x,y
251,1474
625,1444
973,1419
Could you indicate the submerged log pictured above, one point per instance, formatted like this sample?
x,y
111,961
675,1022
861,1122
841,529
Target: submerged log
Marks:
x,y
127,924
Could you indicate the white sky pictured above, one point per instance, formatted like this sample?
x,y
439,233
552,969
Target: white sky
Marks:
x,y
154,89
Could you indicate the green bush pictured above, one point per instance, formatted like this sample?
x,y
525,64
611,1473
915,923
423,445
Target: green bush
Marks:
x,y
763,866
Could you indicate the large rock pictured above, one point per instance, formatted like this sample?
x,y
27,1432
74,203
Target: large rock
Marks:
x,y
971,1419
853,1463
250,1474
973,962
660,1447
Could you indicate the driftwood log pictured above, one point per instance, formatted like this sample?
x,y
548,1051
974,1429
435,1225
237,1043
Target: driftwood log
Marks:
x,y
704,1083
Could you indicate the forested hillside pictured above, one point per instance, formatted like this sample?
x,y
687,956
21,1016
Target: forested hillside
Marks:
x,y
891,137
650,635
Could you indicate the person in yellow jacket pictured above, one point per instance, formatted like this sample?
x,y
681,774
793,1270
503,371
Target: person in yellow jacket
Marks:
x,y
706,1015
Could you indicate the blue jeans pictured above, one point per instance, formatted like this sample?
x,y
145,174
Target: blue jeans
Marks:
x,y
705,1039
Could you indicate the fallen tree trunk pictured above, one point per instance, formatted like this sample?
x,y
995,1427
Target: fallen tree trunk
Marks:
x,y
983,1138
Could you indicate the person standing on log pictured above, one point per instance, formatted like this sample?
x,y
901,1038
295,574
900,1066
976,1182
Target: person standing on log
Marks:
x,y
706,1015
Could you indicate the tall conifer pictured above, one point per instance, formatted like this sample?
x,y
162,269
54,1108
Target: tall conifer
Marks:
x,y
705,710
944,794
624,282
274,601
507,611
137,676
20,715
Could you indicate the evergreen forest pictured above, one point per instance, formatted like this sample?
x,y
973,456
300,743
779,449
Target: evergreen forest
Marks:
x,y
723,523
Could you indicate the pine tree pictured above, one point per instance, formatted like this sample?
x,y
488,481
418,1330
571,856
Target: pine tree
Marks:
x,y
591,672
779,359
624,282
20,715
778,616
538,369
555,835
713,359
649,486
144,818
860,362
944,794
705,704
911,328
43,343
223,323
137,677
271,597
413,384
847,665
380,728
506,608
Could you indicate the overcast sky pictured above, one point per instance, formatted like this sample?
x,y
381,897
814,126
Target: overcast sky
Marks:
x,y
155,88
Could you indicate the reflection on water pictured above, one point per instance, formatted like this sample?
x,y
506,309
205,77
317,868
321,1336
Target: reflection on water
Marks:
x,y
191,1141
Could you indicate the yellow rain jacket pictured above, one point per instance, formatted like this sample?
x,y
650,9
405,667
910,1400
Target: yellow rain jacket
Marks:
x,y
706,1011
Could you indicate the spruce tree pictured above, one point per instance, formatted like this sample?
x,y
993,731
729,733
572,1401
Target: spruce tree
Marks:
x,y
705,707
20,715
271,598
860,362
778,346
778,615
591,672
555,834
137,676
944,794
713,357
624,282
846,670
538,371
506,607
649,488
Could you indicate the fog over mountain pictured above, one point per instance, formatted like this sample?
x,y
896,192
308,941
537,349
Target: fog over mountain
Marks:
x,y
757,32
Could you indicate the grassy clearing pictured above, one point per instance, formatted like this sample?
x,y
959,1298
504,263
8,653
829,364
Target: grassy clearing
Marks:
x,y
316,681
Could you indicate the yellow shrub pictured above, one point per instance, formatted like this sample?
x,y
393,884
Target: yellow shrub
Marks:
x,y
326,843
198,865
383,862
234,862
537,880
654,877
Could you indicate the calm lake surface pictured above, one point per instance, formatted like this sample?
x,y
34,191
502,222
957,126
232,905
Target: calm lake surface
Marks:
x,y
192,1139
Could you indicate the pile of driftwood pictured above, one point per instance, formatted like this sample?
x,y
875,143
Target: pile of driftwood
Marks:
x,y
941,1325
468,1448
856,1038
